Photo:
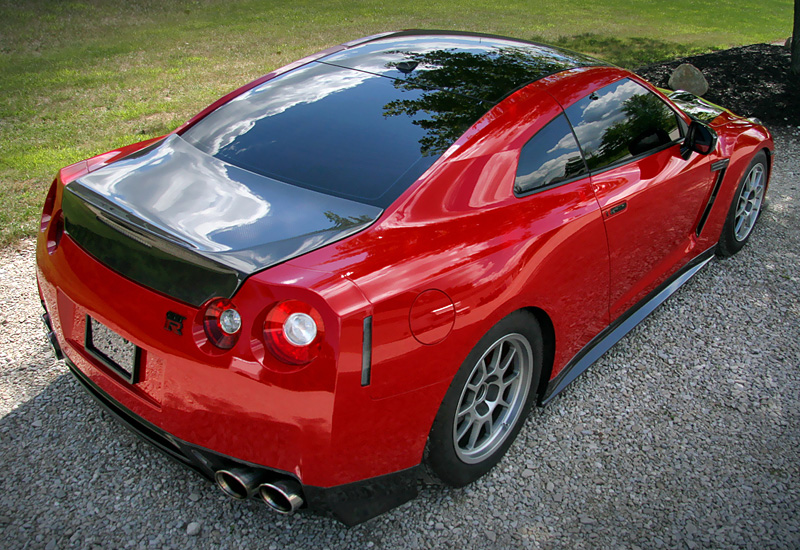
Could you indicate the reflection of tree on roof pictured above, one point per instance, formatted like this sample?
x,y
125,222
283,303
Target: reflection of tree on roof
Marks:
x,y
459,87
346,222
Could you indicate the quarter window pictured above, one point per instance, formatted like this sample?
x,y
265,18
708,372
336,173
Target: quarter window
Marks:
x,y
621,121
550,157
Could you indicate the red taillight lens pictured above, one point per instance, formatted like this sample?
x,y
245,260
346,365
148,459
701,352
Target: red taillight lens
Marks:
x,y
222,323
49,205
293,332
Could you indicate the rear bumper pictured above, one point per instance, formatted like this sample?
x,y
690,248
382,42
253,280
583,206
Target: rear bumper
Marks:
x,y
317,426
351,503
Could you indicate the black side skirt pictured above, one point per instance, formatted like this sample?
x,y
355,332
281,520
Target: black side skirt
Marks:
x,y
622,326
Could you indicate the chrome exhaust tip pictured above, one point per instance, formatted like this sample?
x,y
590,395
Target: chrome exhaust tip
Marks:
x,y
284,496
238,483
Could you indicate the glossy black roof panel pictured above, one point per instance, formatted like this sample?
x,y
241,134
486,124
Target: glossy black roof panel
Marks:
x,y
482,67
340,131
365,122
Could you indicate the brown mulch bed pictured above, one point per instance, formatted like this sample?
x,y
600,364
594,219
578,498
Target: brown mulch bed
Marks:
x,y
749,80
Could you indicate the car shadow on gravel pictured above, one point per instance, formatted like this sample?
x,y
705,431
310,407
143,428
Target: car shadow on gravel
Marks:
x,y
80,479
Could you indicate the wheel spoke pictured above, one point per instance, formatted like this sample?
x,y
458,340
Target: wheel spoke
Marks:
x,y
758,176
489,424
740,207
466,408
463,429
749,182
501,402
473,436
478,376
504,367
504,384
495,361
739,223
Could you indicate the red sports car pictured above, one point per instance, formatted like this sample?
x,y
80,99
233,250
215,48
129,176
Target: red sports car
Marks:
x,y
383,255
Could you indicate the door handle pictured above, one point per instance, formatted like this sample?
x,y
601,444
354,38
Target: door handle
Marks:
x,y
616,209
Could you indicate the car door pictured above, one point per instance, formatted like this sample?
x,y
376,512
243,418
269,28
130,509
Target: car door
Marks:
x,y
649,194
557,204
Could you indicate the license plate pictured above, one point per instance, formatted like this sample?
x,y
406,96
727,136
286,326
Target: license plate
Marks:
x,y
112,350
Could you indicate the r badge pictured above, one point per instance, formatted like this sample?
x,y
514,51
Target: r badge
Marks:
x,y
174,323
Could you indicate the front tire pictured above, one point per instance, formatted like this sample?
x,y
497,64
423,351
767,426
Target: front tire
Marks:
x,y
746,207
487,402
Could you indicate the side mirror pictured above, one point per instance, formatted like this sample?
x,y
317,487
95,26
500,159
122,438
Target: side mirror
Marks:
x,y
700,139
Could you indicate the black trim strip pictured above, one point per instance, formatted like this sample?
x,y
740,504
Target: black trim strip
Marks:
x,y
366,353
622,326
638,157
584,176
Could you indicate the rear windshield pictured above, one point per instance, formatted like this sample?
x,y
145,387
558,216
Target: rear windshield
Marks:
x,y
340,131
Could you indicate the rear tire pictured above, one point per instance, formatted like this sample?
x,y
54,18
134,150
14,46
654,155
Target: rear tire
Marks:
x,y
487,402
746,207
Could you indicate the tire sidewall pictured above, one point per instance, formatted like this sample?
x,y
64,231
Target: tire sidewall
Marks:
x,y
441,454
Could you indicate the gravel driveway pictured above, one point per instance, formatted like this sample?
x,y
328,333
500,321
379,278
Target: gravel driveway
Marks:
x,y
685,434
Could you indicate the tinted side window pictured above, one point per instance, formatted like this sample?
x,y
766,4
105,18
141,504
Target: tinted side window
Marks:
x,y
550,157
620,121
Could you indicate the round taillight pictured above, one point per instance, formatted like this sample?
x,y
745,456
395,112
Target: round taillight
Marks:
x,y
222,323
293,332
230,321
300,329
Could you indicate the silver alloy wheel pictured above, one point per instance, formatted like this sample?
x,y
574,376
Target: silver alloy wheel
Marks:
x,y
748,205
493,398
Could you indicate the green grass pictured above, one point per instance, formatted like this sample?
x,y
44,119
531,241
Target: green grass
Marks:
x,y
79,78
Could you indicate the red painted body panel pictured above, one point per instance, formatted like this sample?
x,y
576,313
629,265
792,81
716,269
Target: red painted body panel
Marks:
x,y
646,249
461,230
455,254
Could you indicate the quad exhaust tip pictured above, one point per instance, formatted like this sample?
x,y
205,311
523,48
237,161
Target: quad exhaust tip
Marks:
x,y
238,483
283,496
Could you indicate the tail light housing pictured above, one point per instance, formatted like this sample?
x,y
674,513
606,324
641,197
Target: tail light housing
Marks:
x,y
293,332
55,231
222,323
